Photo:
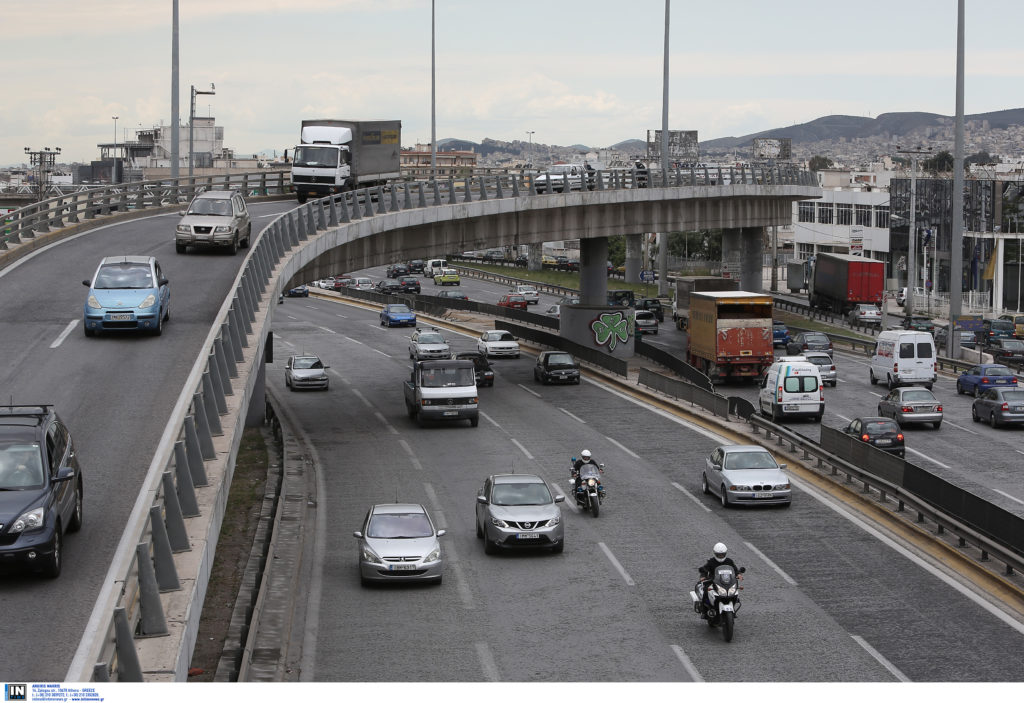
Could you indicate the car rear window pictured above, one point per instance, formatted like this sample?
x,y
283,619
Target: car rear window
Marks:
x,y
879,427
906,350
918,395
924,350
998,371
800,384
1013,396
1004,325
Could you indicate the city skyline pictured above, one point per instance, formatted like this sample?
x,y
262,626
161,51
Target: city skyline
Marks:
x,y
570,72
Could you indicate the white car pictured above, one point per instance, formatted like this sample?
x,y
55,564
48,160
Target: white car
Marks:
x,y
528,292
363,284
498,343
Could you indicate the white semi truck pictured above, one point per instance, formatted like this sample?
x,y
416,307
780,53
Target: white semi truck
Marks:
x,y
338,155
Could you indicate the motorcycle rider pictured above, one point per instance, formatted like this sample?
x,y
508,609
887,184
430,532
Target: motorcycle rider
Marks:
x,y
707,570
585,458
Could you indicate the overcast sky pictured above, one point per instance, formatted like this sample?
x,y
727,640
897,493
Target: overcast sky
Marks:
x,y
572,71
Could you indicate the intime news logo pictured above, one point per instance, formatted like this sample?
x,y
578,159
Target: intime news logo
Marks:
x,y
15,692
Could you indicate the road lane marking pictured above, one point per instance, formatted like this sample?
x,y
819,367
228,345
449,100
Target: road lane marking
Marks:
x,y
577,419
900,676
623,448
771,563
615,562
925,456
1008,496
531,392
692,497
663,413
412,455
878,395
312,307
391,428
489,419
344,317
842,417
326,329
960,427
687,664
354,340
64,335
363,398
523,449
1019,451
483,653
290,317
380,352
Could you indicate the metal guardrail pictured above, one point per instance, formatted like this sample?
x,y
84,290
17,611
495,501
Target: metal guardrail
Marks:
x,y
72,208
1005,547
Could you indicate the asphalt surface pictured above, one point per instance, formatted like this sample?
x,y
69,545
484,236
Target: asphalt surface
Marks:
x,y
827,597
115,392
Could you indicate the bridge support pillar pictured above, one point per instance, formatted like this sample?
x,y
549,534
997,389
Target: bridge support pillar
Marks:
x,y
593,322
534,257
594,271
634,257
752,259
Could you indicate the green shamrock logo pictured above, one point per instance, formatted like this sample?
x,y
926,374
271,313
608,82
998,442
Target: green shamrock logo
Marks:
x,y
610,328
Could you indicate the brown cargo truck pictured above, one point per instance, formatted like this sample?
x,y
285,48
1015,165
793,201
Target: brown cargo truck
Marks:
x,y
730,334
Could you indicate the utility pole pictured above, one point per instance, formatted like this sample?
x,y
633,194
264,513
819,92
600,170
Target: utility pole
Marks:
x,y
912,230
433,96
663,239
956,239
175,120
529,152
44,161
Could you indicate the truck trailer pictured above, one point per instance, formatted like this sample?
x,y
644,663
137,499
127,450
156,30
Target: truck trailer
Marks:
x,y
685,285
730,334
334,156
840,281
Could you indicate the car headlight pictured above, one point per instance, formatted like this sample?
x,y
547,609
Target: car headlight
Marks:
x,y
184,229
369,555
148,302
31,520
222,229
498,522
93,303
554,521
739,488
780,487
435,555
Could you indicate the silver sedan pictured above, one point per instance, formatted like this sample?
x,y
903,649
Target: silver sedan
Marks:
x,y
745,474
305,371
911,405
398,542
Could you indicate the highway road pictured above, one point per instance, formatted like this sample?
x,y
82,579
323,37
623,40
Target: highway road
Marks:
x,y
828,596
115,392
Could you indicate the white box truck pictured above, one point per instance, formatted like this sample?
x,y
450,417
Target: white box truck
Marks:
x,y
338,155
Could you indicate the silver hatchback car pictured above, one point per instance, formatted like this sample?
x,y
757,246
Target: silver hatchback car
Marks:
x,y
518,510
745,474
398,542
911,404
215,218
826,367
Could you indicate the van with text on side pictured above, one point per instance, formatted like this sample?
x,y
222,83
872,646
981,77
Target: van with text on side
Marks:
x,y
792,388
903,358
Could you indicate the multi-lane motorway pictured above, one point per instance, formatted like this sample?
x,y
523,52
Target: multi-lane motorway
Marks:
x,y
843,601
828,596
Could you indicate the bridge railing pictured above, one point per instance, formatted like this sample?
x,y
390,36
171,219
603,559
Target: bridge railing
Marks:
x,y
59,211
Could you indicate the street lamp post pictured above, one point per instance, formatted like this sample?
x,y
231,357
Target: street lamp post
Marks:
x,y
113,154
191,119
529,152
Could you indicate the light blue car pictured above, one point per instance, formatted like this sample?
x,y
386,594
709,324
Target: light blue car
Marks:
x,y
127,293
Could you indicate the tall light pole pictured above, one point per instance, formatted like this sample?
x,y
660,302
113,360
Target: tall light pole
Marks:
x,y
191,119
529,151
113,155
663,239
433,99
956,241
175,119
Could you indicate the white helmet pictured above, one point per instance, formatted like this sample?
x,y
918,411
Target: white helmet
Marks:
x,y
719,551
585,454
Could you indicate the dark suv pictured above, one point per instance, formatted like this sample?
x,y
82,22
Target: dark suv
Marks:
x,y
40,488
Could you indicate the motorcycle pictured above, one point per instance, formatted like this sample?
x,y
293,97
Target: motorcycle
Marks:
x,y
589,493
718,600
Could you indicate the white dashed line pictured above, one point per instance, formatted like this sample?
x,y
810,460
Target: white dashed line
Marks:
x,y
326,329
771,563
483,653
489,419
615,562
877,395
384,420
523,449
528,390
291,317
64,335
900,676
842,417
380,352
363,398
354,340
687,664
960,427
344,317
1008,496
623,448
412,455
925,456
577,419
692,497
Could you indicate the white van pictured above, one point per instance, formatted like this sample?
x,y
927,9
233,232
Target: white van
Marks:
x,y
903,358
791,387
434,266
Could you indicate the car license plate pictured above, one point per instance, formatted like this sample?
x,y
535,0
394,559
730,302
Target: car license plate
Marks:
x,y
1018,408
450,412
764,495
791,408
527,535
121,316
883,442
402,567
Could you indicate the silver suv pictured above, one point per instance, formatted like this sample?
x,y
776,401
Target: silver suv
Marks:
x,y
216,218
518,510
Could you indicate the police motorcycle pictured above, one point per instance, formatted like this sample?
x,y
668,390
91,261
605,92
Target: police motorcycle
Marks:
x,y
589,493
717,598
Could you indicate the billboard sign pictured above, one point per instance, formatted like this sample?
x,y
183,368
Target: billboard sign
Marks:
x,y
682,146
773,148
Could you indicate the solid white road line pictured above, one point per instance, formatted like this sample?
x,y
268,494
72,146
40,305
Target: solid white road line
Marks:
x,y
531,392
489,418
960,427
615,562
692,497
523,449
622,447
925,456
64,335
579,420
900,676
771,563
687,664
1008,496
412,455
483,653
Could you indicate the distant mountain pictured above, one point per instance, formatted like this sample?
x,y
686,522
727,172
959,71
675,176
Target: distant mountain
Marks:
x,y
890,124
